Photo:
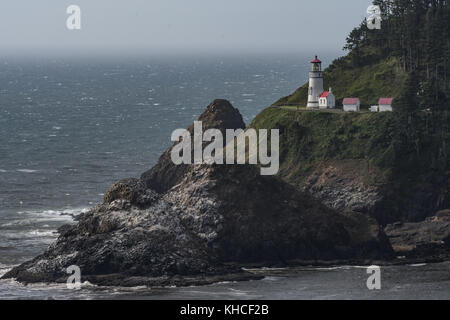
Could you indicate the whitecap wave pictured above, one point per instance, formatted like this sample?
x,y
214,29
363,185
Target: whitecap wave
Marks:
x,y
271,278
39,216
339,268
65,214
4,269
29,234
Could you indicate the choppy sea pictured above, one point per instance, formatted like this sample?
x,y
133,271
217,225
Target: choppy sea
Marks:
x,y
70,127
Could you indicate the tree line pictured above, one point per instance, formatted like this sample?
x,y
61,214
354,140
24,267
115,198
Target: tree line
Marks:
x,y
417,34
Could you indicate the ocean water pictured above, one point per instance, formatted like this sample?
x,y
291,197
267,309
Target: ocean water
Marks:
x,y
71,127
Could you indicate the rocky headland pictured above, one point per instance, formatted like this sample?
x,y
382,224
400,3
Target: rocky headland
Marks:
x,y
198,224
353,188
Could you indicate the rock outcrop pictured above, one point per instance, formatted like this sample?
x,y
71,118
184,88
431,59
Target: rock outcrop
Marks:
x,y
429,239
220,114
351,161
340,186
199,224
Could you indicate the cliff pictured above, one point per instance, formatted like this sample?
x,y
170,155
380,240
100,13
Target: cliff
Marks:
x,y
353,161
184,225
394,167
202,224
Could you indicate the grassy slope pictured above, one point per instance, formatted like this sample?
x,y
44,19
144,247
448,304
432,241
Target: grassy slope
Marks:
x,y
368,82
307,138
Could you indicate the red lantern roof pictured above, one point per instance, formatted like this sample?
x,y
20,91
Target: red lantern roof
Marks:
x,y
325,94
316,60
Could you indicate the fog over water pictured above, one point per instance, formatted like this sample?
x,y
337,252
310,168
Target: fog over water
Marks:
x,y
178,25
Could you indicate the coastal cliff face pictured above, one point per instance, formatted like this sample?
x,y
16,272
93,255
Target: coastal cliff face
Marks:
x,y
200,224
340,185
349,161
429,238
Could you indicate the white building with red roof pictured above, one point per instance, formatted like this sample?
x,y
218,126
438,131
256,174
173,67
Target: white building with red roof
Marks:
x,y
327,100
385,104
351,104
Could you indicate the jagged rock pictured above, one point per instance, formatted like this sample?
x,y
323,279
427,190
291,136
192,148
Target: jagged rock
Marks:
x,y
341,187
264,219
132,190
425,239
206,221
220,114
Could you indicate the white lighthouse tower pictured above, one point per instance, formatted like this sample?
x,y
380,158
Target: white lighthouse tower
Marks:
x,y
315,83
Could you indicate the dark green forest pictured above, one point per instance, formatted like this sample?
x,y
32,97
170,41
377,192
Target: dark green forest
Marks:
x,y
417,34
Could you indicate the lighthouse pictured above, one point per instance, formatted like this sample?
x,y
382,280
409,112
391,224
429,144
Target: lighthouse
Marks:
x,y
315,83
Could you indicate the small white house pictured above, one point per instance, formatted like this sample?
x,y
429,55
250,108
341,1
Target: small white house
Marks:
x,y
351,104
327,100
385,104
374,109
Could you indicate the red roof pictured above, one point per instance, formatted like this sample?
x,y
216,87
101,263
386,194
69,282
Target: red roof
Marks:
x,y
385,101
325,94
316,60
350,101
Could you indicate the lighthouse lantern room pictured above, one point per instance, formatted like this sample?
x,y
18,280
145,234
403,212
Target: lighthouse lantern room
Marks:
x,y
315,83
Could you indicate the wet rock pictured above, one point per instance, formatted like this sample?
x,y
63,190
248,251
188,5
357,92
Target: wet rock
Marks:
x,y
425,239
132,190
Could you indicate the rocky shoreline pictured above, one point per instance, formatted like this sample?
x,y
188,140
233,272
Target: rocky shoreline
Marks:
x,y
200,224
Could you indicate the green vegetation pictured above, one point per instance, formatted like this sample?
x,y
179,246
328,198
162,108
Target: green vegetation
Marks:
x,y
308,138
406,152
369,82
409,60
366,145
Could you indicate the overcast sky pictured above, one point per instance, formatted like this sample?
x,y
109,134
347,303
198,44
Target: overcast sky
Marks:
x,y
180,25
